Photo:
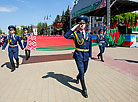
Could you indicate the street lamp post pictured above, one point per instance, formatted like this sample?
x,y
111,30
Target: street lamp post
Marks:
x,y
90,23
108,15
70,18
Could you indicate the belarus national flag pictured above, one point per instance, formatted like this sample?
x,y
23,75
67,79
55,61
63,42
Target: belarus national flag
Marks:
x,y
44,17
31,43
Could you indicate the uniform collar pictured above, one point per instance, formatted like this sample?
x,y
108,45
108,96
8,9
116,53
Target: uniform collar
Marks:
x,y
83,33
12,35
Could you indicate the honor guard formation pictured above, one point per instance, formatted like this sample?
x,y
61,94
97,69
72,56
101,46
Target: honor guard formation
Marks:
x,y
82,53
69,51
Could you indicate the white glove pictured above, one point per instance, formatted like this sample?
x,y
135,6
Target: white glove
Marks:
x,y
107,44
74,27
3,50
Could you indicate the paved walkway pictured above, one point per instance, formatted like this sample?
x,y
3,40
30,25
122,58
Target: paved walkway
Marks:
x,y
49,77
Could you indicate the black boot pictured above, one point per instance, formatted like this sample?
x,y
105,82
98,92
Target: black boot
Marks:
x,y
84,90
17,63
98,55
26,54
102,58
27,57
77,79
13,67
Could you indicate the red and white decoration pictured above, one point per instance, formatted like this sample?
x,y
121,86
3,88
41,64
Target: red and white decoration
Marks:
x,y
31,43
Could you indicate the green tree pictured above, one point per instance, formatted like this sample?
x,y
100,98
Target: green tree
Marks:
x,y
0,31
21,31
42,28
58,18
39,27
17,31
63,17
67,20
31,30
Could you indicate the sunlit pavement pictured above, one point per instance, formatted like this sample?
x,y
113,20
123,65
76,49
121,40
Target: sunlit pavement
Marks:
x,y
49,76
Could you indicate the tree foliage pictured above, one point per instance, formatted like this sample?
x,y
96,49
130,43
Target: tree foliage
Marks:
x,y
0,31
42,28
65,18
58,18
30,29
19,31
125,16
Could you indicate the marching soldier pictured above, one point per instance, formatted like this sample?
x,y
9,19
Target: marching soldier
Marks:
x,y
83,43
101,39
0,40
13,51
24,37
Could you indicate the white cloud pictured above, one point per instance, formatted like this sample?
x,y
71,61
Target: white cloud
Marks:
x,y
8,9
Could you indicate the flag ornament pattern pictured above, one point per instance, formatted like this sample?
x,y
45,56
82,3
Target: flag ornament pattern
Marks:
x,y
31,43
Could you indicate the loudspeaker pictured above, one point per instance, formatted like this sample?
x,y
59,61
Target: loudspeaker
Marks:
x,y
122,29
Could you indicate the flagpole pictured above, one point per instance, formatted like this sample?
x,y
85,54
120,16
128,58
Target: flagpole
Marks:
x,y
50,29
70,18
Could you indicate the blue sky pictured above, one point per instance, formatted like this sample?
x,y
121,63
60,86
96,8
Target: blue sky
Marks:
x,y
27,12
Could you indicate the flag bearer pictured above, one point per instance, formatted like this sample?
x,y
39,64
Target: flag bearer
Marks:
x,y
24,37
13,50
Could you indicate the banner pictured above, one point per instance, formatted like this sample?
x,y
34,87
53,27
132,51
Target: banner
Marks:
x,y
85,6
31,43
